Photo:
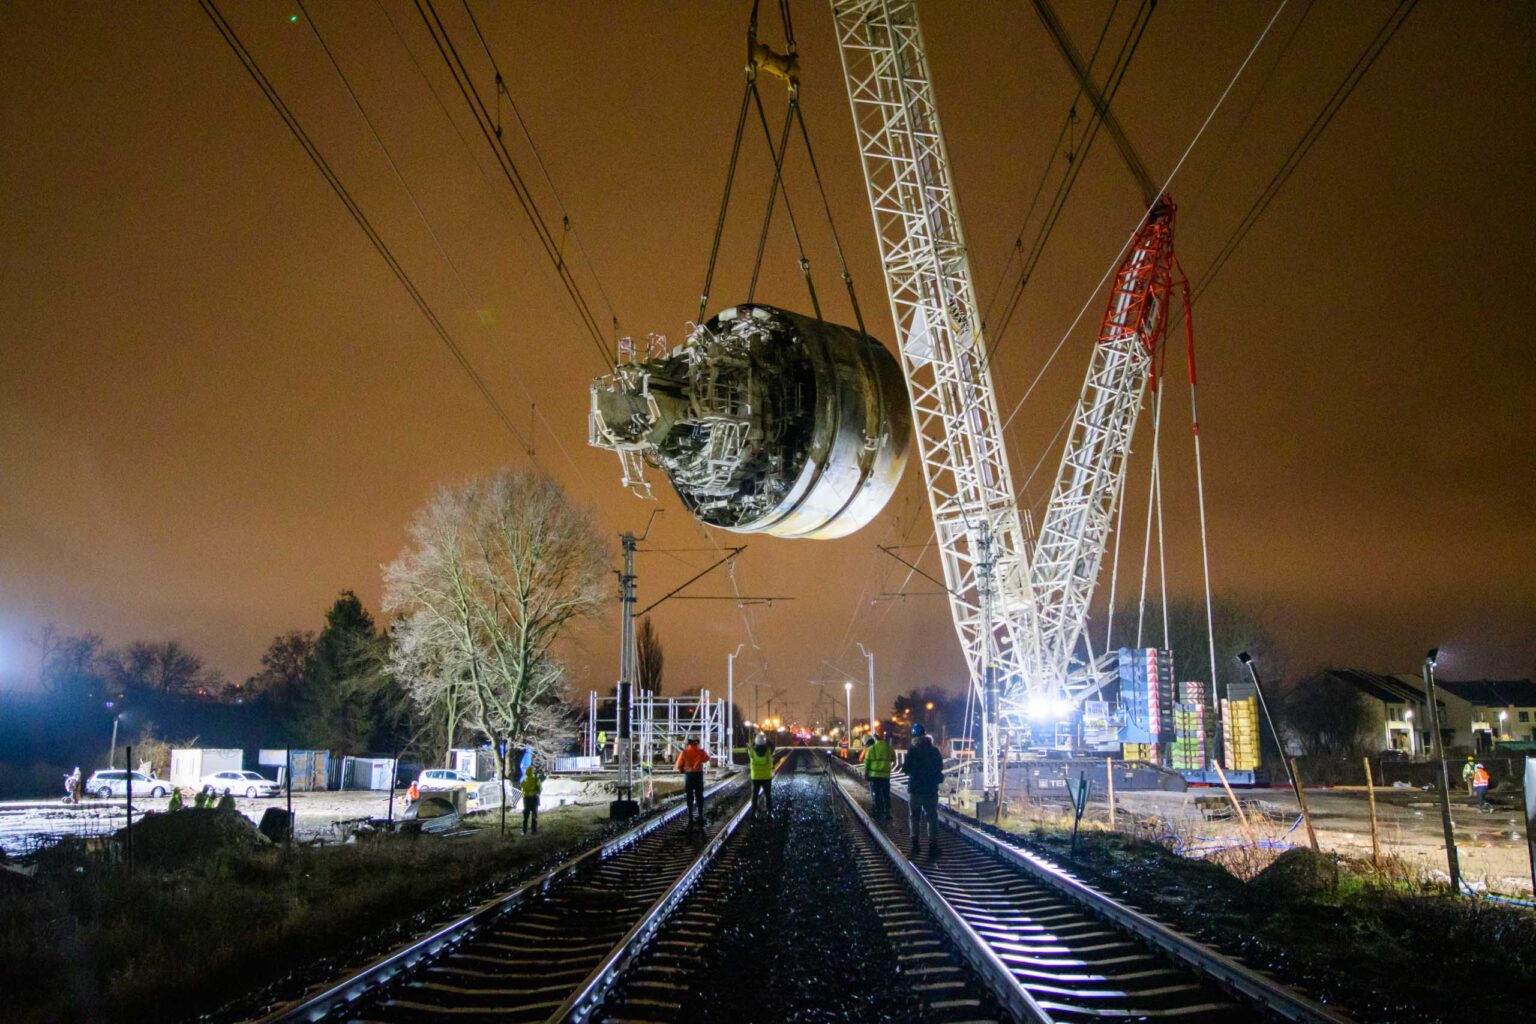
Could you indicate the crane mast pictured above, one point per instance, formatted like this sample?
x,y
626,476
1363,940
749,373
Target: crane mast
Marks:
x,y
1020,614
977,526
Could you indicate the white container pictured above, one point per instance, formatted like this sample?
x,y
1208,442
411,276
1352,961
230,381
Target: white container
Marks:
x,y
190,765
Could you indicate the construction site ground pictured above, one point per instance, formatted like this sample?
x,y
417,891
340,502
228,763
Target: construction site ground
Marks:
x,y
1491,845
28,824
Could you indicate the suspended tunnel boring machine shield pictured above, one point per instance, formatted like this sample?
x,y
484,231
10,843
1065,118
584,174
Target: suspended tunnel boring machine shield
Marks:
x,y
764,421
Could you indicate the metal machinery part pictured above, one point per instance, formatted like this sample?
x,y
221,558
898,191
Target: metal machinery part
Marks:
x,y
764,421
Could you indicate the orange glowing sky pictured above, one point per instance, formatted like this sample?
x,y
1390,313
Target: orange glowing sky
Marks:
x,y
219,408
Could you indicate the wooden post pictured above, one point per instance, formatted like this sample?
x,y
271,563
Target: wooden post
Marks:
x,y
1301,798
1241,817
1370,788
1109,778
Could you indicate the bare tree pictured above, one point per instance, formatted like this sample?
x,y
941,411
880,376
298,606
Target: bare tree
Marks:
x,y
494,572
649,657
163,667
69,665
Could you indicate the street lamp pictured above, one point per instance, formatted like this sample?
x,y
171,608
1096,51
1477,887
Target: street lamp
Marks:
x,y
1445,778
848,700
730,704
870,657
1247,660
1413,746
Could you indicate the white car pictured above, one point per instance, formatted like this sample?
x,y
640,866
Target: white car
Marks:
x,y
240,784
442,778
115,783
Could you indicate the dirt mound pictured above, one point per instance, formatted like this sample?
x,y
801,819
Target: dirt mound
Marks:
x,y
181,837
1297,873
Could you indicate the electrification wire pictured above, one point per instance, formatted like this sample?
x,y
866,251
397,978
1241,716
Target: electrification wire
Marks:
x,y
253,68
1017,249
1114,263
533,146
1308,139
1117,75
469,297
462,78
1253,102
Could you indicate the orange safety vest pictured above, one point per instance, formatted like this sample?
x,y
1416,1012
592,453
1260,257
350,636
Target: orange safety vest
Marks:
x,y
692,759
1480,777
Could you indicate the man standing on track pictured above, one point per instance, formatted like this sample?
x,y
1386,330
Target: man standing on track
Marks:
x,y
691,762
925,770
879,759
760,760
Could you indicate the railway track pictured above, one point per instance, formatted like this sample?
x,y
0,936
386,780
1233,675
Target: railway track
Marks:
x,y
546,949
1055,949
811,913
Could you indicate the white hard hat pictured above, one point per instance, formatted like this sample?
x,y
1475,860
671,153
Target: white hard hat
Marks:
x,y
759,739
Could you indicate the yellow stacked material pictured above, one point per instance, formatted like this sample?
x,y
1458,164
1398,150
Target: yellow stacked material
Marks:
x,y
1240,739
1139,751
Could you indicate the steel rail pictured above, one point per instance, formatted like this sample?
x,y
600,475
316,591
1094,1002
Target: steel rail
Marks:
x,y
976,950
589,995
375,976
1230,974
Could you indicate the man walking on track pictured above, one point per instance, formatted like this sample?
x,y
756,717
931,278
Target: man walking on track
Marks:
x,y
879,759
925,770
760,760
691,762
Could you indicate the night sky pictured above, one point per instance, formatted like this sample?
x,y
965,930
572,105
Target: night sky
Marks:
x,y
219,408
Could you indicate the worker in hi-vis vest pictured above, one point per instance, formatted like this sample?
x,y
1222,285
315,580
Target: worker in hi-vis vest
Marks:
x,y
879,759
760,761
691,762
531,786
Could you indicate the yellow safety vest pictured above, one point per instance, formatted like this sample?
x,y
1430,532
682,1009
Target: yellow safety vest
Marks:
x,y
531,785
879,759
762,767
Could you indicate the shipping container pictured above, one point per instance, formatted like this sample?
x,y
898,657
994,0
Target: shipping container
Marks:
x,y
311,768
188,766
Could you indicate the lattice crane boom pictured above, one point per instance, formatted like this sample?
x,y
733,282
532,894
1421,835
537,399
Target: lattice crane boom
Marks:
x,y
1018,616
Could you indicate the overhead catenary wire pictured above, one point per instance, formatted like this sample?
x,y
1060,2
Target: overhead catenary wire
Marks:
x,y
1341,94
296,128
486,122
538,156
1053,213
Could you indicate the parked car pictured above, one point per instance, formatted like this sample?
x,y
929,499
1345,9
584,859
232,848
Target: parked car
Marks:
x,y
440,779
245,783
115,783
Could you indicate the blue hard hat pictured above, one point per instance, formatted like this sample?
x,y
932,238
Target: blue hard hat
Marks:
x,y
918,730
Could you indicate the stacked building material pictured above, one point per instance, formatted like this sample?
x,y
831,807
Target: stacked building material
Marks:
x,y
1188,750
1240,727
1146,675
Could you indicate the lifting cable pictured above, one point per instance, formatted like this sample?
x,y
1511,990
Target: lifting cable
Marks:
x,y
786,66
1194,426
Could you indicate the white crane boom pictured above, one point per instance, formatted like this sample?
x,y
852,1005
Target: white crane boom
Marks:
x,y
1022,618
977,527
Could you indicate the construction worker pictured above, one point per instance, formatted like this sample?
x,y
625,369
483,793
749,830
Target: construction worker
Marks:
x,y
1467,771
760,761
925,770
531,786
176,803
691,762
1480,787
879,759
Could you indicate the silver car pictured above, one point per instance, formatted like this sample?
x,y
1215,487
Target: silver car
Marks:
x,y
243,783
115,783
